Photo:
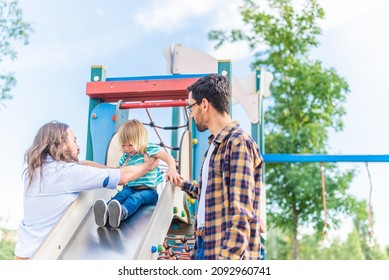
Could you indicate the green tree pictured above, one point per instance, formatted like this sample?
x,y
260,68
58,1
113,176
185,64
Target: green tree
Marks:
x,y
310,248
7,244
352,248
372,252
307,101
277,244
12,30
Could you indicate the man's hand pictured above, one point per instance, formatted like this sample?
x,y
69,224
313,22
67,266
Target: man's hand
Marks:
x,y
151,163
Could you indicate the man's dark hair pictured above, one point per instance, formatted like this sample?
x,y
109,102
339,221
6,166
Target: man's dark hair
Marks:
x,y
214,88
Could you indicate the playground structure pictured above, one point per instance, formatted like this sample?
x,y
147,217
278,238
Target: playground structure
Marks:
x,y
164,231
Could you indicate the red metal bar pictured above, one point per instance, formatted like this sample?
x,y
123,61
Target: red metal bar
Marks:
x,y
140,90
153,104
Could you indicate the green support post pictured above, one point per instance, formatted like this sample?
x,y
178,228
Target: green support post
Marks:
x,y
258,133
256,128
224,68
175,122
98,74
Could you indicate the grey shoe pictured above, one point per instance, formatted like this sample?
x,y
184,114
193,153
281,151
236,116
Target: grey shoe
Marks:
x,y
114,213
100,211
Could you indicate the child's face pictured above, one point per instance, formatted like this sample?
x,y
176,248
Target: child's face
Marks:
x,y
129,149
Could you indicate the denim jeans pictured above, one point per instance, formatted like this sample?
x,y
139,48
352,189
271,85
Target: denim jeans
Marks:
x,y
132,198
200,248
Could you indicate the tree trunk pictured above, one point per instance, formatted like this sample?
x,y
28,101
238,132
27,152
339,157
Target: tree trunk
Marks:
x,y
294,240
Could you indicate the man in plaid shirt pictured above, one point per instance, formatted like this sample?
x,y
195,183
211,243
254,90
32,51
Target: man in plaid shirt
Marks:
x,y
228,192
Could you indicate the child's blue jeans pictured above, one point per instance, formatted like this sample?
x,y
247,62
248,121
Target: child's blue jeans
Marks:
x,y
132,198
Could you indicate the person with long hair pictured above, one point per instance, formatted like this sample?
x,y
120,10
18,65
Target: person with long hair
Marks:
x,y
54,178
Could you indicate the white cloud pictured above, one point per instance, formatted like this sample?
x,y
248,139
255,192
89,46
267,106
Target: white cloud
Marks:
x,y
99,11
226,19
233,52
170,15
341,11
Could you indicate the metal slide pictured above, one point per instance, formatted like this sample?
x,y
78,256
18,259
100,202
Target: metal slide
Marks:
x,y
134,238
91,242
76,236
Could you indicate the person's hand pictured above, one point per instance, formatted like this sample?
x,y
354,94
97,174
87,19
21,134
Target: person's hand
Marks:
x,y
151,163
180,182
173,177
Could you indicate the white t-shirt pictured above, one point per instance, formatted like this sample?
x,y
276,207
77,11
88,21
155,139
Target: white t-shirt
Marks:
x,y
48,196
204,180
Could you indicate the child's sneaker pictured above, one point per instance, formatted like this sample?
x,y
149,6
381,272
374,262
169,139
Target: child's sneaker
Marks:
x,y
114,213
100,212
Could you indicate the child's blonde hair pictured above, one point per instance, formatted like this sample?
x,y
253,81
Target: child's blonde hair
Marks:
x,y
133,132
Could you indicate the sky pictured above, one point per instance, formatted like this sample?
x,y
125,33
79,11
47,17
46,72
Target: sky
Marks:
x,y
128,38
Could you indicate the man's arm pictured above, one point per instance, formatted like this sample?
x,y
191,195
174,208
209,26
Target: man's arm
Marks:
x,y
93,163
191,188
133,172
242,195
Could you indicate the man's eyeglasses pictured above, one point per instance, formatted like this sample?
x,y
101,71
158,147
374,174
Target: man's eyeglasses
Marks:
x,y
190,109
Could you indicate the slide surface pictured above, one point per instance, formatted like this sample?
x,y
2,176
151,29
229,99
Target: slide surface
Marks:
x,y
132,240
91,242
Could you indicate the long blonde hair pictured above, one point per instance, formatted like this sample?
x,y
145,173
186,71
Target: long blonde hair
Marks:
x,y
47,141
134,132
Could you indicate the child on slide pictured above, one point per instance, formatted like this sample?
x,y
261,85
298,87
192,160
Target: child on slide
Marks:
x,y
133,139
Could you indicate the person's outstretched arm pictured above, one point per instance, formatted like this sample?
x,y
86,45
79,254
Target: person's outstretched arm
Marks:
x,y
94,164
172,175
132,172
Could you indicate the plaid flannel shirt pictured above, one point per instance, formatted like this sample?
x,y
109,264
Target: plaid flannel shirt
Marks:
x,y
232,200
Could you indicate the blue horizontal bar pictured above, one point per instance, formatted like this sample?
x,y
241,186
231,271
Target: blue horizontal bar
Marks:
x,y
161,77
324,158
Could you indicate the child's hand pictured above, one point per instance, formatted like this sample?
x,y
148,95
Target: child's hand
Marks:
x,y
173,177
180,182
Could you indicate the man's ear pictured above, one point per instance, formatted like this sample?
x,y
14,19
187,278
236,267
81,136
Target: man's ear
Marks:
x,y
205,104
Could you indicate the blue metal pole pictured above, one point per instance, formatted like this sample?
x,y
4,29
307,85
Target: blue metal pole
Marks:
x,y
324,158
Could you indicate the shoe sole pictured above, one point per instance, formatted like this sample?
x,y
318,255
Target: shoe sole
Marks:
x,y
100,212
114,213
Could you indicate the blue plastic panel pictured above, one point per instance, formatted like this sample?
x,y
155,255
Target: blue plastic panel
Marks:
x,y
102,127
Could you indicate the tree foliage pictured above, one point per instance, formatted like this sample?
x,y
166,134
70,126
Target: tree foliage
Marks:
x,y
12,29
7,244
307,101
352,248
